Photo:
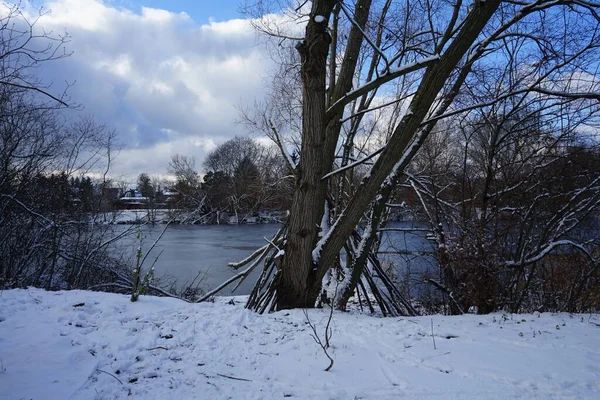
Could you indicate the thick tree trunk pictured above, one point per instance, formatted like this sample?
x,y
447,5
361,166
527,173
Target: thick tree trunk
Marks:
x,y
300,284
309,195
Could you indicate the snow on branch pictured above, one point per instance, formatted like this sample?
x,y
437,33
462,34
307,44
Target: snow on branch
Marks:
x,y
365,36
378,107
251,257
257,256
354,164
545,251
392,74
576,95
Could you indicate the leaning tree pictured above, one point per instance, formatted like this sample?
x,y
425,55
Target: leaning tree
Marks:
x,y
398,68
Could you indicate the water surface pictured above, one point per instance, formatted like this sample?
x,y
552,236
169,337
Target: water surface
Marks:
x,y
186,250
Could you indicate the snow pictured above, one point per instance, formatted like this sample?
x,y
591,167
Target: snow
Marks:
x,y
319,19
135,216
280,253
86,345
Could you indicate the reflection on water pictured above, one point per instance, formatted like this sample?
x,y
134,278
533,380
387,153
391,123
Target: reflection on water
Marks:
x,y
187,249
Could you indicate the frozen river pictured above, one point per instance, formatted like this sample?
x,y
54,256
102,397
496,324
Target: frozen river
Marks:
x,y
186,250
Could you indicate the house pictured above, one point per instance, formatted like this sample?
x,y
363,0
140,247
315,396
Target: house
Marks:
x,y
131,200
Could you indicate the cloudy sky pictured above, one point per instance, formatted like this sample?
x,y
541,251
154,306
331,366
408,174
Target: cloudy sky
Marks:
x,y
167,75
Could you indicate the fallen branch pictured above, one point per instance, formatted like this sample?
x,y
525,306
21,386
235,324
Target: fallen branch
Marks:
x,y
260,253
108,373
236,265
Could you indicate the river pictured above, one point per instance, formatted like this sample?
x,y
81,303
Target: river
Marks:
x,y
186,250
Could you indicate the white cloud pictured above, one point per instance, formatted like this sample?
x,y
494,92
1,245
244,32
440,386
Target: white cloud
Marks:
x,y
161,16
81,14
167,84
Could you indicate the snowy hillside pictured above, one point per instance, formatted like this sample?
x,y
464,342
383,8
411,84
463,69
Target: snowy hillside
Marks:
x,y
84,345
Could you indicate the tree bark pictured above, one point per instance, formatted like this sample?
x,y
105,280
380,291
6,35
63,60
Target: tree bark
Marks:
x,y
310,191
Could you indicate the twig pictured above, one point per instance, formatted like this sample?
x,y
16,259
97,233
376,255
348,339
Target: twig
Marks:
x,y
432,336
108,373
155,243
157,347
352,165
234,378
286,156
315,335
328,331
317,339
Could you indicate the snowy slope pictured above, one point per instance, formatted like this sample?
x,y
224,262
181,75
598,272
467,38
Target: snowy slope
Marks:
x,y
84,345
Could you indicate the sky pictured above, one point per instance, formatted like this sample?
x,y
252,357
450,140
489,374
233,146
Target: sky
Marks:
x,y
200,11
169,76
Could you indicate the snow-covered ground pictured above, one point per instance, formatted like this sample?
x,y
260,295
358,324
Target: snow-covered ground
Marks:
x,y
85,345
135,216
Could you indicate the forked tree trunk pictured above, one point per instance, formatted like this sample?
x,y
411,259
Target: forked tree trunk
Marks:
x,y
304,266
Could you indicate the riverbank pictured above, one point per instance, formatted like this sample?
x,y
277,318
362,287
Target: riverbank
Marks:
x,y
144,216
87,345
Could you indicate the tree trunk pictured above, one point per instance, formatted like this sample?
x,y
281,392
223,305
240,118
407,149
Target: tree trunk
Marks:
x,y
297,269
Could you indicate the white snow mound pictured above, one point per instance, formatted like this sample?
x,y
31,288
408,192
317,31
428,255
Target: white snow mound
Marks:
x,y
85,345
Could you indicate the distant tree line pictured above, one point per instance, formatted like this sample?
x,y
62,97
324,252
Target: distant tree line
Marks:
x,y
242,179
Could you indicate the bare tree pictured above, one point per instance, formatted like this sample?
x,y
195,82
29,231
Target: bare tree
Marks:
x,y
508,200
23,46
48,207
244,176
145,186
187,181
419,60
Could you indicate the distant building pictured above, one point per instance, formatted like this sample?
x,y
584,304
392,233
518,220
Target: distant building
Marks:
x,y
131,200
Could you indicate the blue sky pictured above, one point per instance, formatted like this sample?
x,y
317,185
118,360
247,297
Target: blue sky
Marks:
x,y
201,11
